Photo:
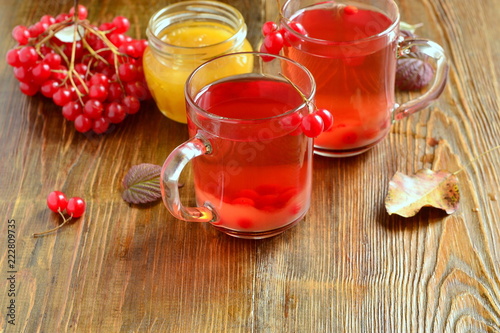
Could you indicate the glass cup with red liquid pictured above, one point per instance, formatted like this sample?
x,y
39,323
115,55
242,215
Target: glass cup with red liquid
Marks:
x,y
351,48
251,161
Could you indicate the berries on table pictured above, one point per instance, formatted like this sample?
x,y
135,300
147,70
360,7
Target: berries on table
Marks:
x,y
58,203
75,207
103,65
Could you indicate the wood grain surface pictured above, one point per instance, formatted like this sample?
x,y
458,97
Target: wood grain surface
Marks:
x,y
347,267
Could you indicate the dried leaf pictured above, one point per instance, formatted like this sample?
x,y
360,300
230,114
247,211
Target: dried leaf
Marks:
x,y
142,184
407,194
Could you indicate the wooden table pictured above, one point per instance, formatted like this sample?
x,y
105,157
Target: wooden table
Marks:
x,y
348,267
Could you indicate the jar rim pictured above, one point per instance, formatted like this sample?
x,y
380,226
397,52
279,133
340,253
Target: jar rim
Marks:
x,y
305,103
395,21
225,13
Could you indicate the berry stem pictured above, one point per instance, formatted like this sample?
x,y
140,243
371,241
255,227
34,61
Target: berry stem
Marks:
x,y
65,220
280,12
475,159
75,11
94,54
51,32
308,102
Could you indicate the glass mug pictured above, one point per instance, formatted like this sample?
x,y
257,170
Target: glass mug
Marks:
x,y
351,48
181,37
251,163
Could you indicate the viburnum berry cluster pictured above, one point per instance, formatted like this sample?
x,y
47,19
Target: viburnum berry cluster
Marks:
x,y
275,37
314,123
58,203
317,122
93,72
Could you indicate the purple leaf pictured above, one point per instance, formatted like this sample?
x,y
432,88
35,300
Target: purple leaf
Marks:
x,y
413,72
142,184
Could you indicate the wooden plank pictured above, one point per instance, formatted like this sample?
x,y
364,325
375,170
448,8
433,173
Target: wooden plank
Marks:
x,y
348,267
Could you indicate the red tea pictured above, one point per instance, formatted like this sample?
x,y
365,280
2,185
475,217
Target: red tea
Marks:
x,y
354,70
258,175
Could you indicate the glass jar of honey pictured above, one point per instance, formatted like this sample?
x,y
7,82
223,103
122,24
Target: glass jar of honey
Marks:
x,y
181,37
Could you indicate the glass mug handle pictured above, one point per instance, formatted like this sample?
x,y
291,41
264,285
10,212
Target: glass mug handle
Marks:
x,y
434,51
169,183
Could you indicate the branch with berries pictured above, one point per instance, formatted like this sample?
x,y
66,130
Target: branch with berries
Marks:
x,y
93,72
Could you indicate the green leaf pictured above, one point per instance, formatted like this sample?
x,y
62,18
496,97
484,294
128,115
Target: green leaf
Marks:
x,y
142,184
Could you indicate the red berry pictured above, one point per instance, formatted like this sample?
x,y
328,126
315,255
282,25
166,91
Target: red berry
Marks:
x,y
269,27
23,74
140,45
21,34
47,19
327,118
48,88
129,49
41,73
83,124
28,56
12,58
53,60
37,29
44,50
59,73
108,71
99,78
29,89
137,89
100,125
115,91
274,42
297,27
79,50
62,17
115,113
62,96
56,201
98,92
82,12
127,72
131,104
291,37
75,207
117,39
72,110
121,24
292,123
93,109
312,125
265,58
81,68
